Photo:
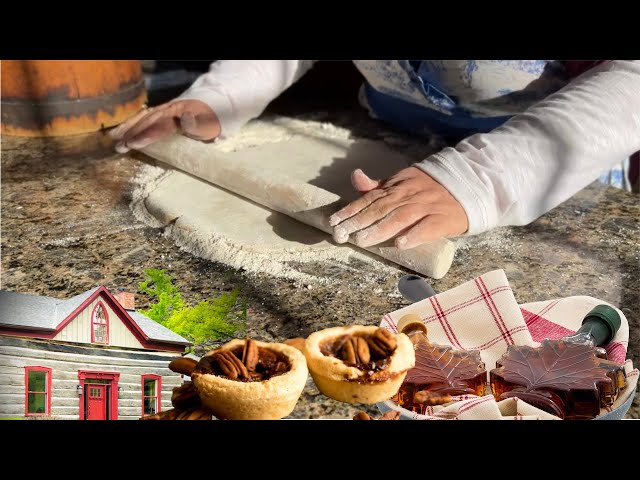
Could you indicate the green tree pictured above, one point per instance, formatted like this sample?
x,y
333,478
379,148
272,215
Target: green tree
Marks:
x,y
158,284
209,321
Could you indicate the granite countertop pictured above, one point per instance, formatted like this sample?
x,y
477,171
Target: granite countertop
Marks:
x,y
67,227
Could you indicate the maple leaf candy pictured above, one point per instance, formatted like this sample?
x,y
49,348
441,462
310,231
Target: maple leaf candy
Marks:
x,y
440,371
570,377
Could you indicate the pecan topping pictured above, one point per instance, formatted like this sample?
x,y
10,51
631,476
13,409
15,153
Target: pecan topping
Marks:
x,y
348,353
268,358
272,363
230,365
382,343
250,355
175,414
183,365
362,416
244,363
185,397
361,351
166,415
195,414
389,415
355,351
425,397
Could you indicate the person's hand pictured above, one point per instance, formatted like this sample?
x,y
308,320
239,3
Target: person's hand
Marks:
x,y
192,118
410,206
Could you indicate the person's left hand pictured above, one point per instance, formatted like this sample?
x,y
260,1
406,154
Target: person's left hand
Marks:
x,y
410,206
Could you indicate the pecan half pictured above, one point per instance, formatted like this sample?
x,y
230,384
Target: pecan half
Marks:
x,y
348,353
382,343
183,365
362,416
362,350
425,397
240,367
250,355
185,397
230,365
224,366
356,351
389,415
166,415
195,414
175,414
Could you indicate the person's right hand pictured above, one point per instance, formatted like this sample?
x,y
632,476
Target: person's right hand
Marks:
x,y
192,118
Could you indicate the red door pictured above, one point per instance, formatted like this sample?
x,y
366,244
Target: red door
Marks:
x,y
96,402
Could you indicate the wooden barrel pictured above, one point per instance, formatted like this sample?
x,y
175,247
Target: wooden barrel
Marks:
x,y
44,98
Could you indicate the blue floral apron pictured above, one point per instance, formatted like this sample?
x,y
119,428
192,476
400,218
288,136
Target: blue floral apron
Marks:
x,y
457,98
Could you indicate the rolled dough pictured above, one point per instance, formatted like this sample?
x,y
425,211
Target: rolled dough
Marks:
x,y
212,223
301,169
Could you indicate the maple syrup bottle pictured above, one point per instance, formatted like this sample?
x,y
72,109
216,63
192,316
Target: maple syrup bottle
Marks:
x,y
440,371
570,377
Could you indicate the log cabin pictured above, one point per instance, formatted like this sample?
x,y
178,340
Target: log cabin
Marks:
x,y
90,357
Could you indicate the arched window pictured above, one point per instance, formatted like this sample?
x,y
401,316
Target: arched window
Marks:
x,y
99,325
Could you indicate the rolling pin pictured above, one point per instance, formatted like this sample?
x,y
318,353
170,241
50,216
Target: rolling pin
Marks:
x,y
250,174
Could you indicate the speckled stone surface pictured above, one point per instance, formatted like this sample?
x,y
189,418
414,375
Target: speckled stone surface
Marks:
x,y
67,227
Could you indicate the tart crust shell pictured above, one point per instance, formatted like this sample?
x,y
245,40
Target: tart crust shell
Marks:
x,y
349,384
270,399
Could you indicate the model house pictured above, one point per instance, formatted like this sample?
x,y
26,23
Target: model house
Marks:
x,y
90,357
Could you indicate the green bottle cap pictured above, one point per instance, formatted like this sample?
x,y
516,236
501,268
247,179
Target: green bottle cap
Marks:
x,y
607,316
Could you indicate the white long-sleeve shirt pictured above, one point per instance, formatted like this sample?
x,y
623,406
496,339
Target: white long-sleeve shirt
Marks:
x,y
509,176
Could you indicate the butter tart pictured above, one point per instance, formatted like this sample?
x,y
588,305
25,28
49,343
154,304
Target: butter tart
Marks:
x,y
358,364
251,380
